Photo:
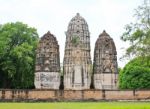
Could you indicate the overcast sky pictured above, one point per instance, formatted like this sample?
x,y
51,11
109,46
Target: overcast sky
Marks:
x,y
54,16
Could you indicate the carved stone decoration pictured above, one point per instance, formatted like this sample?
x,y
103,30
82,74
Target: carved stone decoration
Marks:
x,y
105,63
77,58
47,69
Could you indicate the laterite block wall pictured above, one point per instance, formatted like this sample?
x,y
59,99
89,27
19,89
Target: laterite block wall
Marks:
x,y
69,95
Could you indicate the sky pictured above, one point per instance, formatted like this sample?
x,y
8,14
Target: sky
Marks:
x,y
54,16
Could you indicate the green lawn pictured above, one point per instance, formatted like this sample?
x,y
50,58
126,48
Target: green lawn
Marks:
x,y
77,105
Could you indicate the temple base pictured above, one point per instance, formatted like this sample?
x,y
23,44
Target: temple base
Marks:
x,y
47,80
105,81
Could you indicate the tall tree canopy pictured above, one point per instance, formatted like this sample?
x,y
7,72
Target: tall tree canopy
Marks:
x,y
17,55
138,33
135,75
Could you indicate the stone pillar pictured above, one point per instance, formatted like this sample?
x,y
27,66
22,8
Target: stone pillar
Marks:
x,y
105,63
77,57
47,71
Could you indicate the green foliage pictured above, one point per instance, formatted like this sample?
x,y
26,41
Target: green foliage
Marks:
x,y
75,40
138,33
135,75
119,69
17,55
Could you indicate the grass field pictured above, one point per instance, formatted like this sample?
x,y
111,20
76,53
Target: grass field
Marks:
x,y
77,105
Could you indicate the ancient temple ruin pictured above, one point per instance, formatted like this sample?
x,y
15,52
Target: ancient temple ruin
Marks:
x,y
77,58
105,63
47,69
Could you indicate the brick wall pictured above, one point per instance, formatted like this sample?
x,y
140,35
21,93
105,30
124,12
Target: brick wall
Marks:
x,y
68,95
0,94
93,94
117,95
73,94
145,94
39,94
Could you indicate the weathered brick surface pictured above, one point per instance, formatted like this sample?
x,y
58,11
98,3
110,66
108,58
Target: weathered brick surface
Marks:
x,y
93,94
119,95
8,94
11,94
0,94
142,94
36,94
72,94
21,94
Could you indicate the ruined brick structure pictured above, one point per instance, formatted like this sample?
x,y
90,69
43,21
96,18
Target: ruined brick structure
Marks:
x,y
47,69
77,58
105,63
77,65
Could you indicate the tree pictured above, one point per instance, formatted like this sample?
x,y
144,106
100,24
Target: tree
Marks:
x,y
17,55
135,75
119,69
138,33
